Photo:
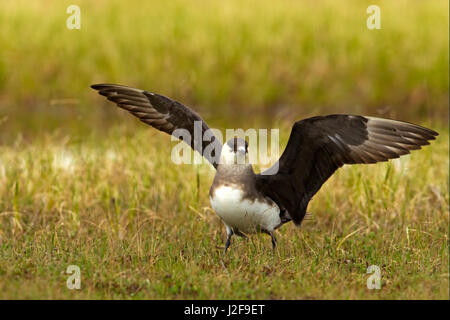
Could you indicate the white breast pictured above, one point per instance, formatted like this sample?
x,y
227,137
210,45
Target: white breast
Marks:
x,y
245,215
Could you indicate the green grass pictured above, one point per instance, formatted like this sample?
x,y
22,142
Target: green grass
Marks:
x,y
228,56
141,227
82,183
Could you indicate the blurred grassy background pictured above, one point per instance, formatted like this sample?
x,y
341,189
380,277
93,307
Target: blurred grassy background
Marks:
x,y
84,183
270,61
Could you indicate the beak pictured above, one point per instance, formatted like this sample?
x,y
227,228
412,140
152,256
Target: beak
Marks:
x,y
241,150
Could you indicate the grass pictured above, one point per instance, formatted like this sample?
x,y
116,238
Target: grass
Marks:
x,y
139,226
226,56
82,183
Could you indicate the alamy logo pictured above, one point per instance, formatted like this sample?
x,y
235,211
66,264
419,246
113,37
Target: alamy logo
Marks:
x,y
374,281
258,150
74,20
374,20
74,281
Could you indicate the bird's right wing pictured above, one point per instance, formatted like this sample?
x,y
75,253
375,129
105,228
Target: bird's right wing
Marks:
x,y
318,146
165,115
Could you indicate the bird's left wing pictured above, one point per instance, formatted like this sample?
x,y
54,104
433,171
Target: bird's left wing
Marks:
x,y
318,146
165,115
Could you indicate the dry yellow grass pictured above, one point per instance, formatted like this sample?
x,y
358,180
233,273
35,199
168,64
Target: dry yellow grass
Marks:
x,y
141,227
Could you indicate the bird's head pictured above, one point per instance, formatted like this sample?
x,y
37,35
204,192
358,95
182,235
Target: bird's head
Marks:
x,y
235,151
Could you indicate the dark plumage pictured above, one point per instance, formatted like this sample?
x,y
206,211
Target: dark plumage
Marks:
x,y
317,147
161,113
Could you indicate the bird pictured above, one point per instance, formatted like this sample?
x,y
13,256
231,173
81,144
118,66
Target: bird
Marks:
x,y
249,202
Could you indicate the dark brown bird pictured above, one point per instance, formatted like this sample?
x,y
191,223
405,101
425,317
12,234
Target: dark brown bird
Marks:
x,y
248,202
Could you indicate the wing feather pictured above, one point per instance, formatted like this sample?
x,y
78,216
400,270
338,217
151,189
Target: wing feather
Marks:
x,y
318,146
161,113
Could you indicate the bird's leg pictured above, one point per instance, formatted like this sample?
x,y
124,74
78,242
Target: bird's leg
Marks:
x,y
274,240
228,242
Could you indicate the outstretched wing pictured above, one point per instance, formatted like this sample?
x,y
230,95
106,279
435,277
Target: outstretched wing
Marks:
x,y
165,115
318,146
